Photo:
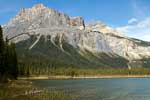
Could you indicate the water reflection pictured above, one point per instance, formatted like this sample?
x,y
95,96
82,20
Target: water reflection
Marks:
x,y
102,89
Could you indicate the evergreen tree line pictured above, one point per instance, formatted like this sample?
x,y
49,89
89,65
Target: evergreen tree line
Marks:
x,y
8,59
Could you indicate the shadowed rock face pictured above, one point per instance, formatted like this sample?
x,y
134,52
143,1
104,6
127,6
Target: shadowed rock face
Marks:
x,y
41,21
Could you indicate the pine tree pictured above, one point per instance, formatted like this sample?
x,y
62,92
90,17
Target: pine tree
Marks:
x,y
11,64
14,70
2,71
8,59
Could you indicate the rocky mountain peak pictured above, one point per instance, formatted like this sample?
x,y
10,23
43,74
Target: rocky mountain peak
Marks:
x,y
39,6
40,16
31,13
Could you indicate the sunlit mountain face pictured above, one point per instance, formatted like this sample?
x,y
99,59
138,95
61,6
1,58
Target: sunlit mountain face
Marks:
x,y
47,36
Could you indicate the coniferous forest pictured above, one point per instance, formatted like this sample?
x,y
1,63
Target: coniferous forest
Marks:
x,y
8,59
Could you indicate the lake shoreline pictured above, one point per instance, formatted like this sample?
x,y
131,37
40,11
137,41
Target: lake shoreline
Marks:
x,y
84,77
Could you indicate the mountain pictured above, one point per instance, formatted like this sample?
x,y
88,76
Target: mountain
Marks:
x,y
47,37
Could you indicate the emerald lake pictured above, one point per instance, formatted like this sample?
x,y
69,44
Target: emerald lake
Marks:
x,y
101,89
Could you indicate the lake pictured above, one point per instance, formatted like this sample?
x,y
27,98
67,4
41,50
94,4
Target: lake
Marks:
x,y
102,89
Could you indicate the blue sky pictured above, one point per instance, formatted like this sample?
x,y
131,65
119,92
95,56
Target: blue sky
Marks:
x,y
124,15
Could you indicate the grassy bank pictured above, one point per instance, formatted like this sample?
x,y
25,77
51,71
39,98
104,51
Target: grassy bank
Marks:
x,y
66,73
80,77
24,90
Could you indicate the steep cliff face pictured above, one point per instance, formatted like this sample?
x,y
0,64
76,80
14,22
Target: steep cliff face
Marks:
x,y
131,49
59,29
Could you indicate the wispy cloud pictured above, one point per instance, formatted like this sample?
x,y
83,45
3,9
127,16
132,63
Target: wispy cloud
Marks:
x,y
132,20
140,30
139,25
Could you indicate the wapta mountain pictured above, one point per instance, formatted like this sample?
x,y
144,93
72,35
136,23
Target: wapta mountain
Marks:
x,y
46,36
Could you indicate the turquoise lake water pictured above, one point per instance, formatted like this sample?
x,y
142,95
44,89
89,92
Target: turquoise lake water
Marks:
x,y
102,89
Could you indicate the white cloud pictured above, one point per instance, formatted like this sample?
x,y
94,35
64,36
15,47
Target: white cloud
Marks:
x,y
140,30
132,20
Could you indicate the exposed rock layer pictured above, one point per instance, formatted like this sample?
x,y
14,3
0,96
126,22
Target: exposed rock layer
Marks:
x,y
96,37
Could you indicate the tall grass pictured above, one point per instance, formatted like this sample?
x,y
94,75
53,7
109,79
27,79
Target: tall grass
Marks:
x,y
23,90
94,72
